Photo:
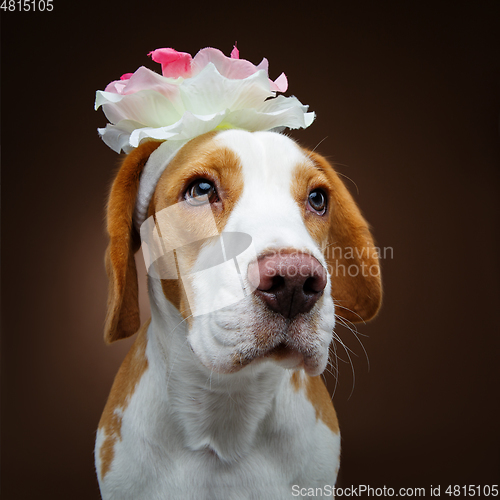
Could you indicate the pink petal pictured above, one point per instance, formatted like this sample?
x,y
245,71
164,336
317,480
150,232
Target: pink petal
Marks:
x,y
145,79
116,87
280,84
173,63
235,53
229,67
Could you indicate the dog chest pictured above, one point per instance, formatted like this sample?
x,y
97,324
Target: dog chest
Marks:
x,y
291,446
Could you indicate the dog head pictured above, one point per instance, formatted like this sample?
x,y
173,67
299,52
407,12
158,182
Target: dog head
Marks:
x,y
312,256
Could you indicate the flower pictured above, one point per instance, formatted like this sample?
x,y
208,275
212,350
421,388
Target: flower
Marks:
x,y
195,95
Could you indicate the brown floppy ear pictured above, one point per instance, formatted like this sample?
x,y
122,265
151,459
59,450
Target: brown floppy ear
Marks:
x,y
352,257
122,318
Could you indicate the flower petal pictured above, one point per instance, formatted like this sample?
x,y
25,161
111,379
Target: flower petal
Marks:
x,y
145,79
229,67
104,97
280,84
188,127
173,63
279,112
116,87
146,106
210,92
117,136
274,114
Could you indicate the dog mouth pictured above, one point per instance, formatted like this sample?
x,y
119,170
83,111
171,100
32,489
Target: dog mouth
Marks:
x,y
285,355
297,343
282,350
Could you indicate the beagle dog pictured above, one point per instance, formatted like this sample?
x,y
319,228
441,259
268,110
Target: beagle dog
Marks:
x,y
225,400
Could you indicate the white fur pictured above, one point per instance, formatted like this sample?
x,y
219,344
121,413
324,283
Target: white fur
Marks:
x,y
195,428
150,176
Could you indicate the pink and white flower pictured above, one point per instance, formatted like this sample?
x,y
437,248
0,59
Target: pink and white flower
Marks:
x,y
194,96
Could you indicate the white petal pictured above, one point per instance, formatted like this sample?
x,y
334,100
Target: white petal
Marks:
x,y
188,127
103,97
279,112
210,92
116,138
145,79
147,107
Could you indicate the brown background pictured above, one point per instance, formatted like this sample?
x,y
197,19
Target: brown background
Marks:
x,y
407,100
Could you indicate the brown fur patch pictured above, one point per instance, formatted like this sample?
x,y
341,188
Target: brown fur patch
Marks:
x,y
348,246
126,380
201,158
122,319
318,395
296,381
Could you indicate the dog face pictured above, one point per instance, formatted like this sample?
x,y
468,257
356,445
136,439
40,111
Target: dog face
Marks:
x,y
312,254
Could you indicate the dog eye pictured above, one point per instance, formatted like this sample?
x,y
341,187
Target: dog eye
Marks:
x,y
317,201
199,188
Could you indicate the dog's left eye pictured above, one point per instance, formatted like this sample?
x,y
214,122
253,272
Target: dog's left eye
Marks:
x,y
196,192
317,201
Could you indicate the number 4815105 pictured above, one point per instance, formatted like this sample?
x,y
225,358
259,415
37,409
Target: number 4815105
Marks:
x,y
27,5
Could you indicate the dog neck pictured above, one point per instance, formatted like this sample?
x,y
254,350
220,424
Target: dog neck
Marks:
x,y
219,413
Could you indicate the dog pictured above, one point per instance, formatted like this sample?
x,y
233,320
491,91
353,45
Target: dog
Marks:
x,y
229,403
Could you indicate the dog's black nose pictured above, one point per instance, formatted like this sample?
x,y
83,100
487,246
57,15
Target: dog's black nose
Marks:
x,y
289,283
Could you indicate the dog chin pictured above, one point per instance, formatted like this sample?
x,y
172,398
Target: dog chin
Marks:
x,y
312,365
286,358
293,345
291,359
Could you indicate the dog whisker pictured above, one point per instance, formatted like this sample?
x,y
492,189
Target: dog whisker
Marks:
x,y
356,334
337,304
